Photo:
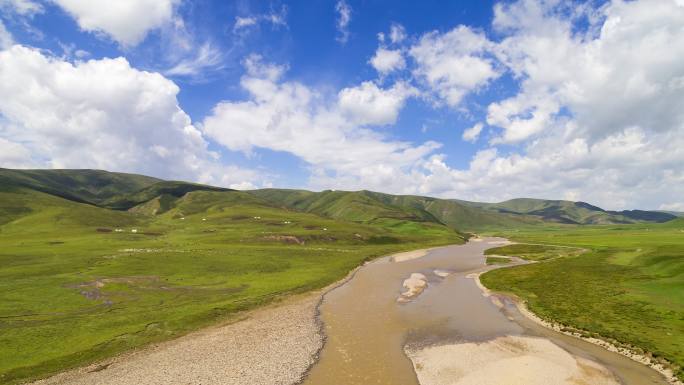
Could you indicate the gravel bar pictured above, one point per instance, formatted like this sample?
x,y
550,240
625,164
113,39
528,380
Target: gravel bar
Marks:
x,y
274,345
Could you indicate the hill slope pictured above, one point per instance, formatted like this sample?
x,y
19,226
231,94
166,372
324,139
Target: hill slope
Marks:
x,y
560,211
365,206
165,190
153,196
362,206
86,186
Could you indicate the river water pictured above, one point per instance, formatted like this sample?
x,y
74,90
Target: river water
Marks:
x,y
367,328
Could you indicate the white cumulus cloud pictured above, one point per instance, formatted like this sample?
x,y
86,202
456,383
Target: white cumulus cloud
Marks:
x,y
454,63
387,60
368,104
471,134
100,114
291,117
125,21
629,73
397,33
598,115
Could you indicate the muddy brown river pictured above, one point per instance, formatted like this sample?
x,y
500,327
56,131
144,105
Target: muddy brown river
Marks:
x,y
367,329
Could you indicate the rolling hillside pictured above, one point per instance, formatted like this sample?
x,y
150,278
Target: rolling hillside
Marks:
x,y
86,186
462,215
165,191
569,212
675,213
148,195
364,206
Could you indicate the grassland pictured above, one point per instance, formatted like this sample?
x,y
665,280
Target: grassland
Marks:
x,y
534,252
628,286
569,212
497,260
80,282
88,186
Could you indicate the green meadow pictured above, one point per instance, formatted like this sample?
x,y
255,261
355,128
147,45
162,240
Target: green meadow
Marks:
x,y
79,282
627,285
495,260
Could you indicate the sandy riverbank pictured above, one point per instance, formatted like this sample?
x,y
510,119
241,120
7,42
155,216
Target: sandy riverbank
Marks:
x,y
511,360
506,359
409,255
268,346
629,353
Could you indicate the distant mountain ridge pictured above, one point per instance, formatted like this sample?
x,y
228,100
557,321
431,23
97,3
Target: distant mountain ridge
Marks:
x,y
153,196
464,215
368,206
83,185
569,212
675,213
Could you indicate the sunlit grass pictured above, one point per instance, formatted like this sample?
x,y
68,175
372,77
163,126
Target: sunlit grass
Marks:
x,y
628,286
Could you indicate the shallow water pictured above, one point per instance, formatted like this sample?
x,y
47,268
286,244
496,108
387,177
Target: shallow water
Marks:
x,y
367,329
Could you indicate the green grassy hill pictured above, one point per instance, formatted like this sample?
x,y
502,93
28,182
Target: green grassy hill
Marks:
x,y
456,215
462,215
359,206
568,212
165,190
365,206
87,186
125,191
675,213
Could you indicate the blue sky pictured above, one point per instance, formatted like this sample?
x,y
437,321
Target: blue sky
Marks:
x,y
474,100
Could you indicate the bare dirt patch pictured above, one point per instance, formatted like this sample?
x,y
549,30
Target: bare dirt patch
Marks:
x,y
285,239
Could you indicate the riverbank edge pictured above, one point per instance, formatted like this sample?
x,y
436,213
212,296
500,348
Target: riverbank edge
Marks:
x,y
626,350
